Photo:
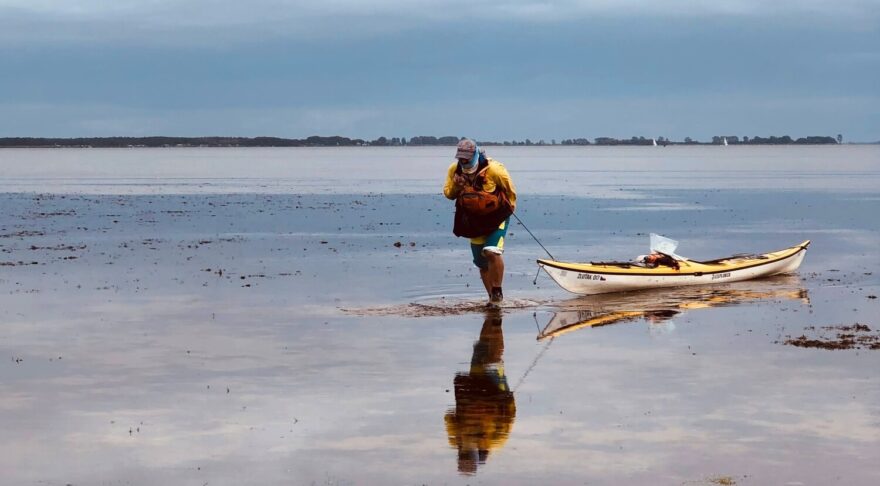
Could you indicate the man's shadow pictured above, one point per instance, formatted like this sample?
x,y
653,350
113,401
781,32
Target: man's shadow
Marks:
x,y
484,405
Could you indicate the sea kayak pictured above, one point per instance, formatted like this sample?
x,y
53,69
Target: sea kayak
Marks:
x,y
604,277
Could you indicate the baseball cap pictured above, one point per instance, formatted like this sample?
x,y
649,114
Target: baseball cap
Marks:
x,y
466,149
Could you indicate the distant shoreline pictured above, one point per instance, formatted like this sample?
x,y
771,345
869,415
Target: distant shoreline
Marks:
x,y
88,147
419,141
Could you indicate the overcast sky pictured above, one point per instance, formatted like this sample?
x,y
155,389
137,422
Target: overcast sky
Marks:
x,y
494,70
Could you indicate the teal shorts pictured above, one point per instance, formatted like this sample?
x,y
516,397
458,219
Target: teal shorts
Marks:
x,y
493,242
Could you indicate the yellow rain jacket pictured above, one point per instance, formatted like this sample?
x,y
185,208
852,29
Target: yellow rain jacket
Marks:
x,y
495,176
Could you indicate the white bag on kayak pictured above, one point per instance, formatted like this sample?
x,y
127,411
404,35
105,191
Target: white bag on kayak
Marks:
x,y
665,245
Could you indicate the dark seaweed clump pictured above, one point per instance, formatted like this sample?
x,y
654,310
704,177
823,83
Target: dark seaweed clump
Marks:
x,y
856,336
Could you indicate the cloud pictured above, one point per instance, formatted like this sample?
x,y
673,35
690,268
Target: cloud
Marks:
x,y
207,22
212,11
364,69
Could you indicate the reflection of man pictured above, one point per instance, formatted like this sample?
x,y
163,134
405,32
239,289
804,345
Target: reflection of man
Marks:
x,y
484,406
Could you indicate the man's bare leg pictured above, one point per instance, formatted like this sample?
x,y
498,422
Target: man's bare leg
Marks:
x,y
484,276
495,273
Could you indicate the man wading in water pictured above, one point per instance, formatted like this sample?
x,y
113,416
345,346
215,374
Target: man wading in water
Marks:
x,y
484,200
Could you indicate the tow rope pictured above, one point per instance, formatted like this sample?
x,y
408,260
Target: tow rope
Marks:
x,y
533,236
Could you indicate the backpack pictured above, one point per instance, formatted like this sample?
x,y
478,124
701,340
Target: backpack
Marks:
x,y
480,203
477,212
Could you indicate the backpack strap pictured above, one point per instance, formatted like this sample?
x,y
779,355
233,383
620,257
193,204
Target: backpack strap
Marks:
x,y
476,179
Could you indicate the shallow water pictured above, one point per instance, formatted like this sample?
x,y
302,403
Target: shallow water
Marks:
x,y
222,329
600,172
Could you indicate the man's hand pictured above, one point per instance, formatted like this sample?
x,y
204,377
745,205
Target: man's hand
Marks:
x,y
459,180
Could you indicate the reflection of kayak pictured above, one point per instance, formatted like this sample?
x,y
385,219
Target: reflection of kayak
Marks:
x,y
603,277
656,306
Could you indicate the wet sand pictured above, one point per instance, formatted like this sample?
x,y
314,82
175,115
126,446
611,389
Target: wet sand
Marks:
x,y
340,339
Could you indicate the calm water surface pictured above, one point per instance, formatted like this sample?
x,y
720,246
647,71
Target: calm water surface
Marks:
x,y
233,316
576,171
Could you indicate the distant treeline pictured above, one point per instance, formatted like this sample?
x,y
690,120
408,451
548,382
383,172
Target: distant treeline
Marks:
x,y
716,140
122,142
422,140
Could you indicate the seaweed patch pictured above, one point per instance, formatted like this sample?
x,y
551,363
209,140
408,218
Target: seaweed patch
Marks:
x,y
856,336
